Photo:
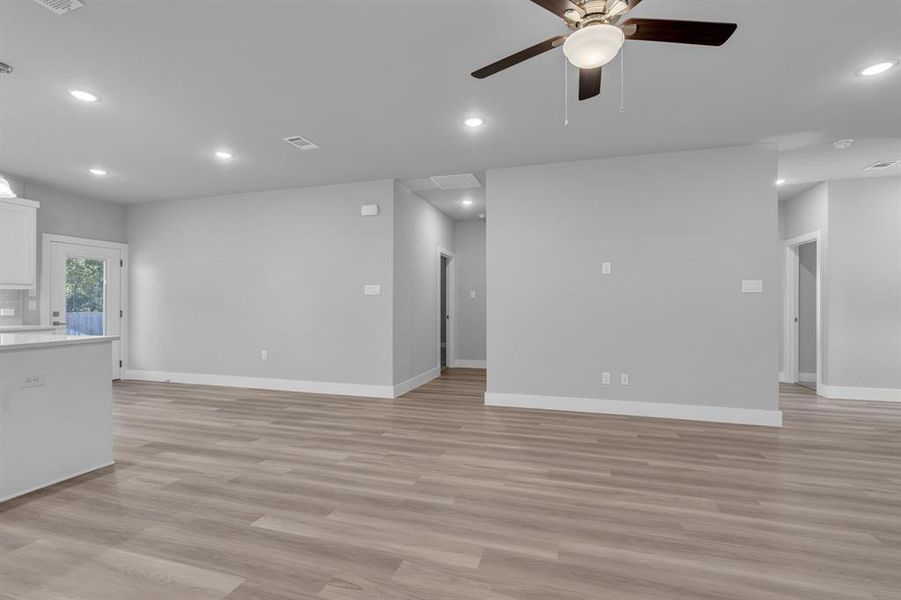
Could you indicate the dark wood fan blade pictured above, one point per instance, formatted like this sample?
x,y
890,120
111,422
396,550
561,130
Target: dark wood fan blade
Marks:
x,y
589,83
558,7
701,33
523,55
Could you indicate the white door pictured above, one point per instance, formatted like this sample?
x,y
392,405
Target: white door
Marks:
x,y
86,292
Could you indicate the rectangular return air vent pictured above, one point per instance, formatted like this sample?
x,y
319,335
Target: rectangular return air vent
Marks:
x,y
298,141
60,7
466,181
882,164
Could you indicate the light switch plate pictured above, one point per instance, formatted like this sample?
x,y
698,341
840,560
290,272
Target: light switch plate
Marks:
x,y
34,380
370,210
372,290
7,312
752,286
472,294
606,268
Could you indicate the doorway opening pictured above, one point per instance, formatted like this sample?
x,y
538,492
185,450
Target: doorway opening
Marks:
x,y
446,325
802,350
83,290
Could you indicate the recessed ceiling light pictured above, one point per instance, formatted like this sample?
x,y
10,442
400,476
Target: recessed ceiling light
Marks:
x,y
878,68
843,144
83,96
780,182
97,172
474,122
223,155
467,202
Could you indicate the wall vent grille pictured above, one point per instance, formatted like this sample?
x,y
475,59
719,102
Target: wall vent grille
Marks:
x,y
882,164
60,7
298,141
466,181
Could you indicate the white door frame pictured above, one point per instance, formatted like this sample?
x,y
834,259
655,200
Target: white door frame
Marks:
x,y
46,319
451,309
790,328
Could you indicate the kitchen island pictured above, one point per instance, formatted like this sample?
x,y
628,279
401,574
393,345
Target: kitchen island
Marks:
x,y
55,409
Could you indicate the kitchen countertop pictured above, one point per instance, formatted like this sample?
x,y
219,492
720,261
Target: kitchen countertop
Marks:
x,y
31,340
18,328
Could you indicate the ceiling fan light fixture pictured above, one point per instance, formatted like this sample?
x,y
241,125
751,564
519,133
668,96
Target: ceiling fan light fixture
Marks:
x,y
6,190
593,46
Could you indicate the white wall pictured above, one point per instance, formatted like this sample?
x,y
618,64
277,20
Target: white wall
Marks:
x,y
419,231
682,231
864,289
216,280
469,248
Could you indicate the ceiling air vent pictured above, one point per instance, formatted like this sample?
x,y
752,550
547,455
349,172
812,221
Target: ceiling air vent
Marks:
x,y
60,7
466,181
882,164
298,141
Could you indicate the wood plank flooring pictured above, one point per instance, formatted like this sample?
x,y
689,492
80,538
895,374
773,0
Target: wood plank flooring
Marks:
x,y
241,494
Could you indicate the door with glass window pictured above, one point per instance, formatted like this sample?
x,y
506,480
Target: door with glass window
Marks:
x,y
86,292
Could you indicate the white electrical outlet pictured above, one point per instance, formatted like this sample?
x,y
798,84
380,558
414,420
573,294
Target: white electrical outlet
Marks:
x,y
624,379
605,378
264,355
34,380
606,268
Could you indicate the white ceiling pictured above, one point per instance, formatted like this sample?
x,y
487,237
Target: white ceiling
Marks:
x,y
383,85
450,202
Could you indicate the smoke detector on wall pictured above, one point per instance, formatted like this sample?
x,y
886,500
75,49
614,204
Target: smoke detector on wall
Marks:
x,y
61,7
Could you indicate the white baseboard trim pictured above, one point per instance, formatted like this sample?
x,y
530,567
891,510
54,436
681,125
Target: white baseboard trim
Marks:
x,y
782,378
56,481
688,412
266,383
414,382
470,364
839,392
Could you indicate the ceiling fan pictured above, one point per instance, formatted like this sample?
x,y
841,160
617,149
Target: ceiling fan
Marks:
x,y
598,37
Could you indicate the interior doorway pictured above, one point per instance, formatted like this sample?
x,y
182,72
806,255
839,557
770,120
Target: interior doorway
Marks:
x,y
83,290
446,323
807,315
802,348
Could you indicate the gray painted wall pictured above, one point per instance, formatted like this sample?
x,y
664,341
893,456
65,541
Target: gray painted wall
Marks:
x,y
419,230
864,287
807,313
216,280
682,231
469,250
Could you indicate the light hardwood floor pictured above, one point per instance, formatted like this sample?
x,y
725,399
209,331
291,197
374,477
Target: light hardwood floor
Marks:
x,y
240,494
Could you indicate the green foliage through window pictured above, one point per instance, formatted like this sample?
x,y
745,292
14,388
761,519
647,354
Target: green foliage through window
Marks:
x,y
84,285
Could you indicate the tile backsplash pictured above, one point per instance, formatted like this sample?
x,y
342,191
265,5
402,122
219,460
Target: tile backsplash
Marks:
x,y
15,300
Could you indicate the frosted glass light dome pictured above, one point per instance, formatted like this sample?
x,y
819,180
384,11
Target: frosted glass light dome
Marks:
x,y
593,46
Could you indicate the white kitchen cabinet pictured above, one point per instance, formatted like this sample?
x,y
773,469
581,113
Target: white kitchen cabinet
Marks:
x,y
18,243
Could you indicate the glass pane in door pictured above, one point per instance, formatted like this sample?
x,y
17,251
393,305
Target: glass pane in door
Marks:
x,y
85,293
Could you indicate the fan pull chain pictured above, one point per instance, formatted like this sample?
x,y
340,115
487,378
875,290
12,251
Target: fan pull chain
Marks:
x,y
565,92
622,80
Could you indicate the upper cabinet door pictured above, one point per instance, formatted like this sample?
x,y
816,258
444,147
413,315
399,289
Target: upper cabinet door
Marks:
x,y
18,243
